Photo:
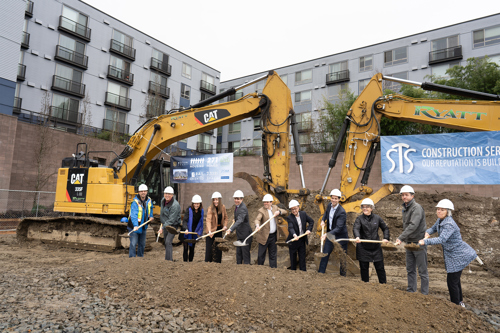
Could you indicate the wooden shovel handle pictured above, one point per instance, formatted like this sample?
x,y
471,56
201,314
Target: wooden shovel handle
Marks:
x,y
253,233
362,240
209,234
151,219
293,240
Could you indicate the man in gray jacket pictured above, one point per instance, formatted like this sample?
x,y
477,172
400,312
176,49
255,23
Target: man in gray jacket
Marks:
x,y
414,230
242,227
170,215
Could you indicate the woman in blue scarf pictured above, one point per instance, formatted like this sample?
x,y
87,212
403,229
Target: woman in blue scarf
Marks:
x,y
193,222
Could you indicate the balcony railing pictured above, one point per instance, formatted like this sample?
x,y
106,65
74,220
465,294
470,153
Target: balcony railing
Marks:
x,y
17,105
304,126
337,77
161,66
451,53
208,87
204,147
65,115
114,126
74,28
120,75
154,111
29,8
68,86
156,88
25,42
21,72
71,57
122,49
118,101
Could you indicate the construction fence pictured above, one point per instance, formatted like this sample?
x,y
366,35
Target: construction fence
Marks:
x,y
16,205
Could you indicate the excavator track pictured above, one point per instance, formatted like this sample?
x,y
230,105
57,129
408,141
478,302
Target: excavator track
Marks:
x,y
77,232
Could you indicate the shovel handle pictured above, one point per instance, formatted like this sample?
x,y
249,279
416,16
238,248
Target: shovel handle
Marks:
x,y
208,234
151,219
292,240
253,233
322,233
362,240
229,228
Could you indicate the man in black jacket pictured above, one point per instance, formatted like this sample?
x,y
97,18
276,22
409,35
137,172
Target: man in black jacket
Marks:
x,y
335,221
242,227
297,226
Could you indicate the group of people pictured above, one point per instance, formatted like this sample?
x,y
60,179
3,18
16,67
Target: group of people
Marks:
x,y
457,253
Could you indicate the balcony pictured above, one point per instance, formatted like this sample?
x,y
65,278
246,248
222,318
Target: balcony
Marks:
x,y
21,72
74,28
122,49
156,88
154,111
114,126
337,77
161,66
208,87
120,75
118,101
71,57
29,8
304,126
451,53
65,115
17,105
205,148
68,86
25,42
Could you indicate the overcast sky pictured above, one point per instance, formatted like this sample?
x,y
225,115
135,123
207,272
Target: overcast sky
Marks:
x,y
239,38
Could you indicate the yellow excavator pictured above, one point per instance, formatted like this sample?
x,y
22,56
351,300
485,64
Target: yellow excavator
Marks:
x,y
99,197
361,130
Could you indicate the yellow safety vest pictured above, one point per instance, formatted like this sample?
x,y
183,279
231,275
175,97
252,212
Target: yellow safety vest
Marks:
x,y
139,215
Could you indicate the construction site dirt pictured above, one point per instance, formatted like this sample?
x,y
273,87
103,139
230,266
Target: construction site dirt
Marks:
x,y
243,298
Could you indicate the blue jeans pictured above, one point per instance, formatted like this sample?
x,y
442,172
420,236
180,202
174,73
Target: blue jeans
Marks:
x,y
328,248
135,239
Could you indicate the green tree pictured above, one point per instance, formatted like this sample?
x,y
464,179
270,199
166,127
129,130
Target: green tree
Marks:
x,y
332,116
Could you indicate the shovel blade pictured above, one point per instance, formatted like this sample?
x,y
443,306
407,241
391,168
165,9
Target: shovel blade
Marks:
x,y
190,241
171,230
240,243
330,237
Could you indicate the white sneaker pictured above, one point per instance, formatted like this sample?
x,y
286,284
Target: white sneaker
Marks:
x,y
462,304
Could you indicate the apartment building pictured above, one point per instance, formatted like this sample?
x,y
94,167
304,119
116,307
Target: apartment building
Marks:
x,y
311,82
87,72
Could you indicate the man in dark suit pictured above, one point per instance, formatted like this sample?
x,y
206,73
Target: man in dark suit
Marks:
x,y
297,226
242,227
335,222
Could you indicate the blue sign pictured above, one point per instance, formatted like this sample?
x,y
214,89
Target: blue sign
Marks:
x,y
216,168
452,158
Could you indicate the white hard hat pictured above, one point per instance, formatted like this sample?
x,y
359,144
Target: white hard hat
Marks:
x,y
407,189
367,201
143,187
216,195
169,189
336,193
293,203
196,199
238,194
268,198
445,203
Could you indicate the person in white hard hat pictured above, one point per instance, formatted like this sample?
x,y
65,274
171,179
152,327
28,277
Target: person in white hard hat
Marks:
x,y
366,227
242,227
335,221
299,223
268,234
170,215
193,222
141,210
216,220
413,230
457,253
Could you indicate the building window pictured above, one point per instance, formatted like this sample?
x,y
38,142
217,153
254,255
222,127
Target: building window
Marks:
x,y
362,85
73,45
208,78
257,142
115,121
204,96
303,96
219,131
396,56
439,71
185,91
233,146
160,61
304,121
186,70
155,107
235,96
486,37
304,139
117,89
366,63
337,67
75,21
158,79
394,86
303,77
444,43
234,128
284,78
65,108
123,43
256,124
334,90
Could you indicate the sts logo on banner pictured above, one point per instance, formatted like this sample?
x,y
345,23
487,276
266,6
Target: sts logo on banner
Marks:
x,y
398,148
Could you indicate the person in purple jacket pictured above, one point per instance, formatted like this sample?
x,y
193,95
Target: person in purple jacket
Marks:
x,y
457,253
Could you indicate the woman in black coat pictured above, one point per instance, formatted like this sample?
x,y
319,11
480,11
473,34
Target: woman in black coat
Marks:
x,y
366,227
